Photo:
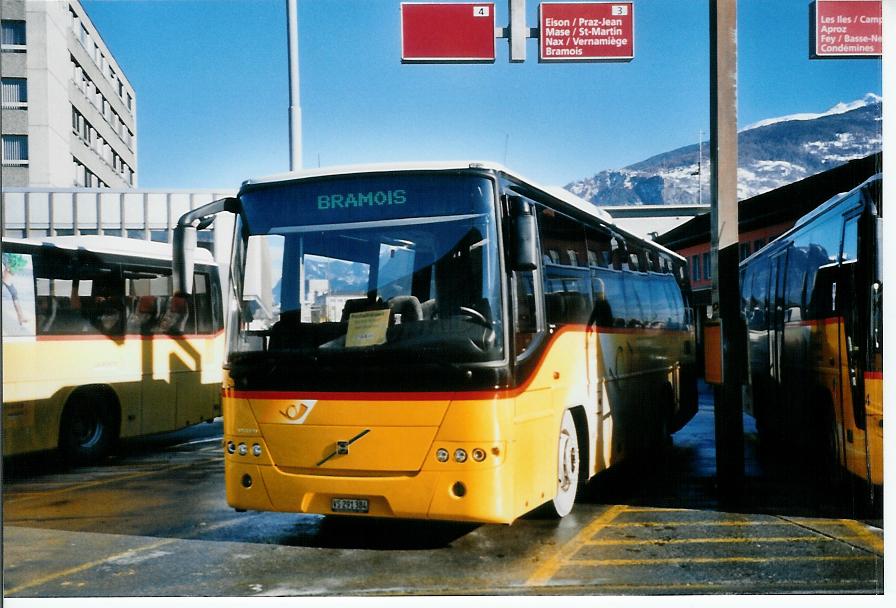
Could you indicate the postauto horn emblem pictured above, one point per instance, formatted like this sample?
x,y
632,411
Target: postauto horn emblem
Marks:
x,y
298,412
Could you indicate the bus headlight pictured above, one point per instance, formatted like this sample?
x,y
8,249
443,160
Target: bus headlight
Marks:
x,y
478,454
243,449
442,455
256,450
231,447
460,455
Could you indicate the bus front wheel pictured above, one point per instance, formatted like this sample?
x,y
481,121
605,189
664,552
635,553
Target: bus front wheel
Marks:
x,y
87,431
568,465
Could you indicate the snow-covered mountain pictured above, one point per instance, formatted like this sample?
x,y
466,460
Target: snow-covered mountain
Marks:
x,y
771,153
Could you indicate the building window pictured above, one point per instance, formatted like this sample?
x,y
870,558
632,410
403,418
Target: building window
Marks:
x,y
744,251
14,92
695,267
12,35
707,266
15,150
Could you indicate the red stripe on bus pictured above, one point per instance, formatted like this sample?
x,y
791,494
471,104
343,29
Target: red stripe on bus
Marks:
x,y
874,375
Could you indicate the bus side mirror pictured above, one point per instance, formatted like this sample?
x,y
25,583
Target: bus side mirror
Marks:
x,y
524,250
184,242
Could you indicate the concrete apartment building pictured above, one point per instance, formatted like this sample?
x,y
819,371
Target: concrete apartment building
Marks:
x,y
68,111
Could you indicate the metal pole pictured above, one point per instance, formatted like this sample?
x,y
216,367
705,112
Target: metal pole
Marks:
x,y
518,30
724,213
295,109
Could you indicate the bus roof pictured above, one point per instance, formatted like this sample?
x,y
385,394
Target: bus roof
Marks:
x,y
111,244
554,191
834,200
824,207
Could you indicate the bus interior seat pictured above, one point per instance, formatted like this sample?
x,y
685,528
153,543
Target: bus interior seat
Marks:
x,y
69,318
291,333
175,318
144,314
46,313
429,309
408,307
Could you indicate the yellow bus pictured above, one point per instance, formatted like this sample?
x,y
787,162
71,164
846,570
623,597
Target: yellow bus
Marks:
x,y
97,347
443,341
813,304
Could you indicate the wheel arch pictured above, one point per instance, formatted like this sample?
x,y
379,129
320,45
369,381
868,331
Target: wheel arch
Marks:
x,y
580,419
100,393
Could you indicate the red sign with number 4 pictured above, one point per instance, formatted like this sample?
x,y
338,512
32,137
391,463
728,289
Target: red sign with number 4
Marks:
x,y
463,32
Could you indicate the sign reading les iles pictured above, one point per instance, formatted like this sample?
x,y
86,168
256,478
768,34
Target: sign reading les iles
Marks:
x,y
848,28
587,31
463,32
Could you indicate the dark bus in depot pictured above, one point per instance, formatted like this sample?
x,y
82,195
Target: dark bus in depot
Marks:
x,y
813,304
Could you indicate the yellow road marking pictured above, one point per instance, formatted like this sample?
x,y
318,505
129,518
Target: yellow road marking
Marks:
x,y
735,539
718,560
549,567
876,542
726,586
705,522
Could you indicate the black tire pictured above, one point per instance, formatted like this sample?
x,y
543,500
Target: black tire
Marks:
x,y
88,429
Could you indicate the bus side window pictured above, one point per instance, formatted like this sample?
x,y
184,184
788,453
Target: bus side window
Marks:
x,y
526,321
202,304
850,250
746,280
822,245
610,305
567,292
19,308
796,282
758,293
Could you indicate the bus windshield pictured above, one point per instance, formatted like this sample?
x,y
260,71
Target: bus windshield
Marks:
x,y
381,267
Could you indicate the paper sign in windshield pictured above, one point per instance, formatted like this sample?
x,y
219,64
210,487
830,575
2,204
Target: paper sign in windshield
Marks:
x,y
367,328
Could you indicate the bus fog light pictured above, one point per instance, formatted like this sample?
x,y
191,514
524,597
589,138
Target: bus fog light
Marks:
x,y
459,489
231,447
460,455
243,449
442,455
256,450
246,481
478,454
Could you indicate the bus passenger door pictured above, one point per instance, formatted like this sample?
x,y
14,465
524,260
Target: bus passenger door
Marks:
x,y
853,306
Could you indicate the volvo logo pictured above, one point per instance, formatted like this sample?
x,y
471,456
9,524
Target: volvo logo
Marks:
x,y
342,447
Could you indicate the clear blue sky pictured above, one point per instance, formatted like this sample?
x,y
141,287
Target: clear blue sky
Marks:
x,y
212,89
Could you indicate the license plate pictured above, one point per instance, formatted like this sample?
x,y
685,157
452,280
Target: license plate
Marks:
x,y
349,505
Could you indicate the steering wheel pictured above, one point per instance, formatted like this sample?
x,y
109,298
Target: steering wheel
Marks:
x,y
475,314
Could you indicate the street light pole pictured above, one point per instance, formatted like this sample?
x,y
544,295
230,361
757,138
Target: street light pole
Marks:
x,y
295,109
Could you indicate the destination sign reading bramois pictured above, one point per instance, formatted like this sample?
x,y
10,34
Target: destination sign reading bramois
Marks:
x,y
589,31
361,199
